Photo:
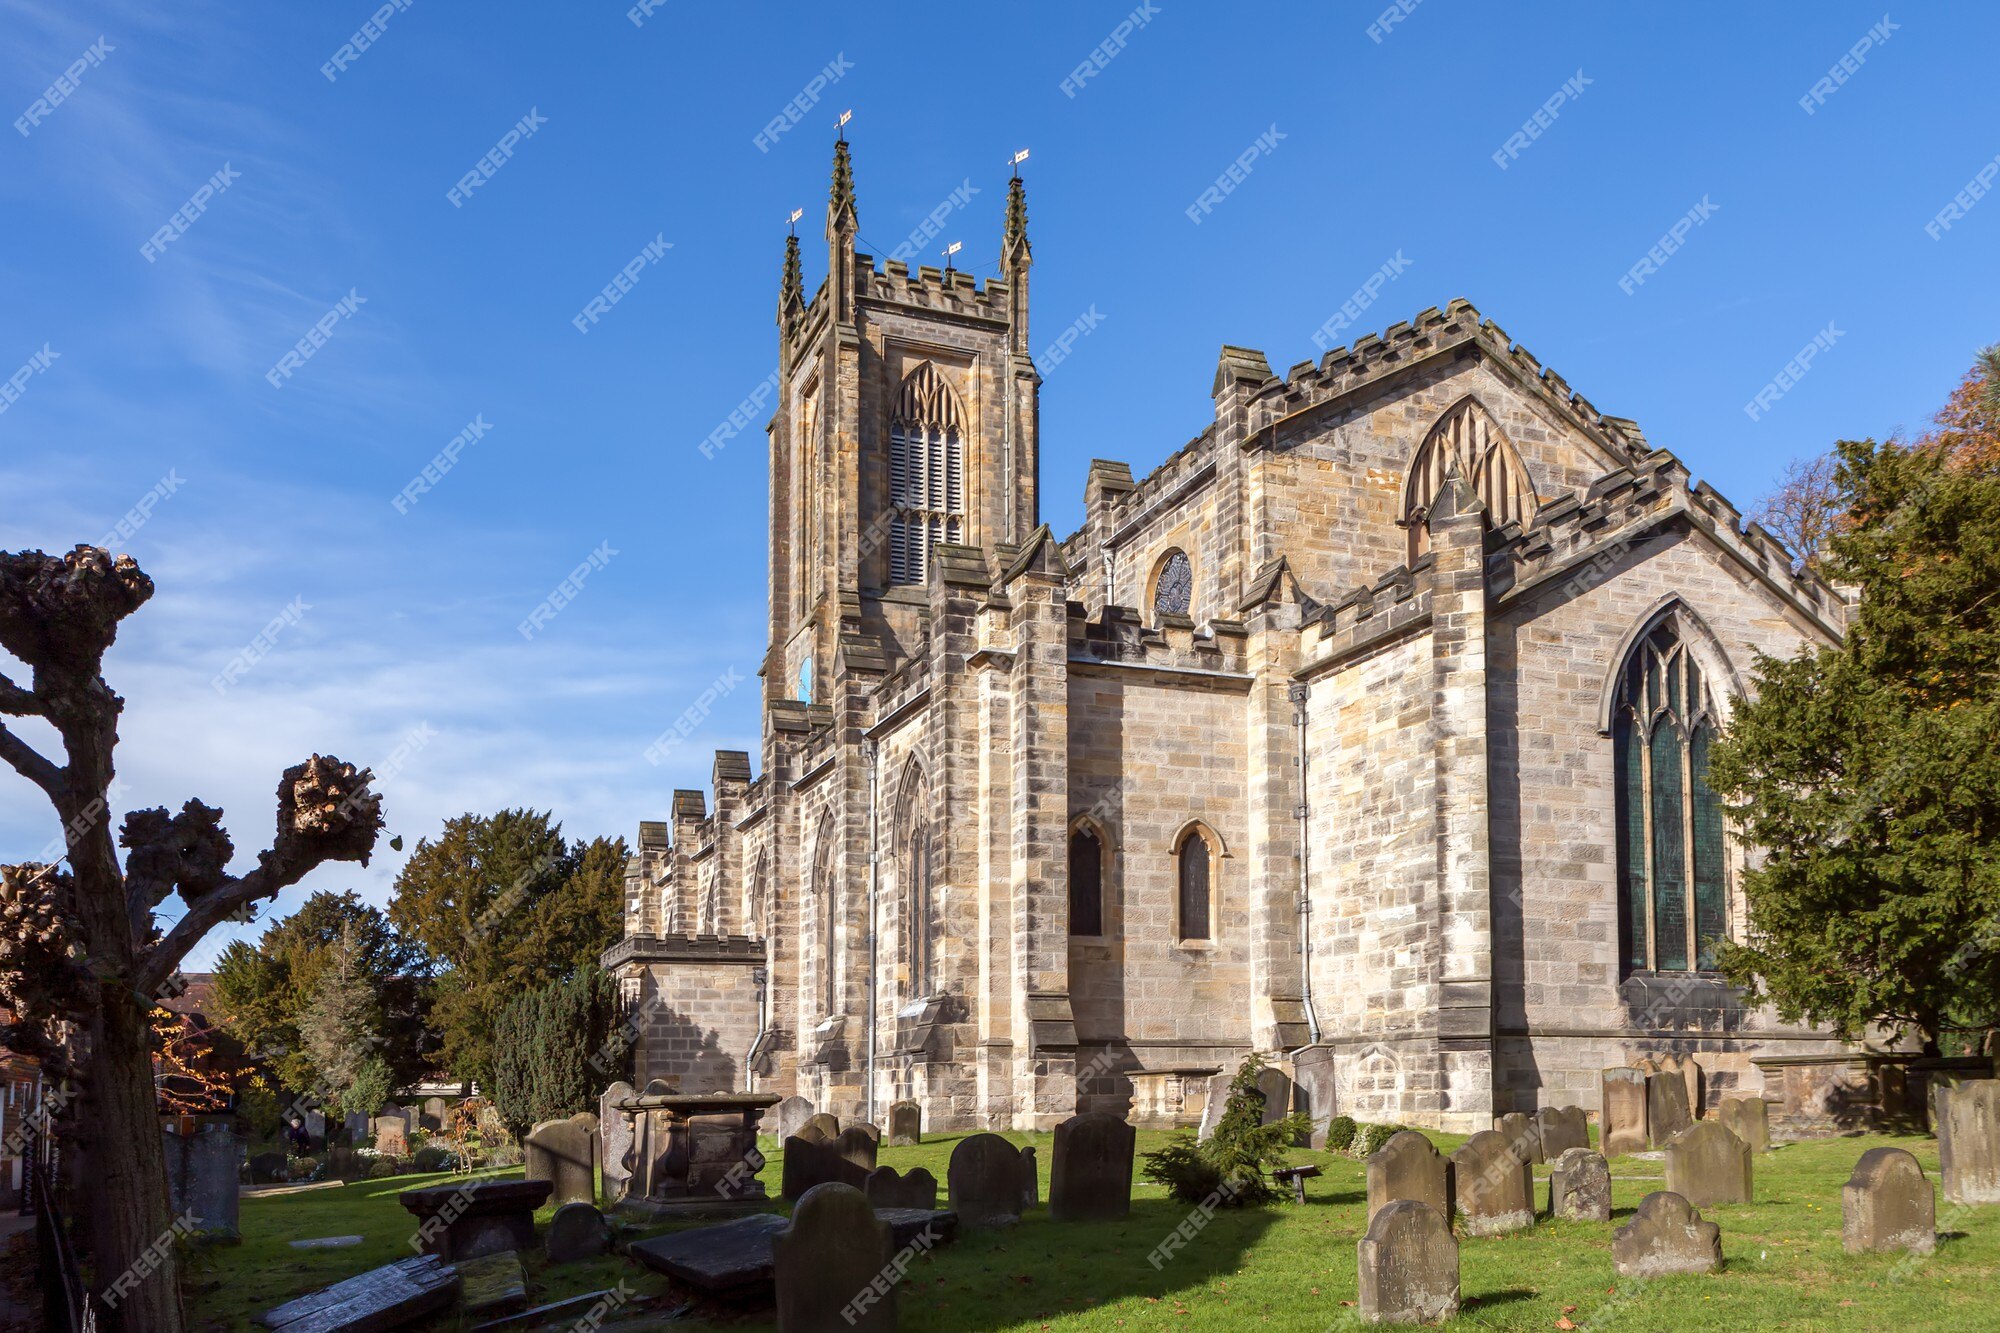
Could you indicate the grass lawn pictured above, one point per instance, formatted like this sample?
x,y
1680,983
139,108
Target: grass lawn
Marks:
x,y
1278,1268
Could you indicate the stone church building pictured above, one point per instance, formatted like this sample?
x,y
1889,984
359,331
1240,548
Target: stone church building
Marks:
x,y
1368,731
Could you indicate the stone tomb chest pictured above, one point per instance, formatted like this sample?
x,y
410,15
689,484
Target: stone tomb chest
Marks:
x,y
695,1147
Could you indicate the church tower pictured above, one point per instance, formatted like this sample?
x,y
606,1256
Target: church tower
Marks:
x,y
908,421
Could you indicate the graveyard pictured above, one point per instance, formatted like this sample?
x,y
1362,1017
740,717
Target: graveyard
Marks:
x,y
1281,1267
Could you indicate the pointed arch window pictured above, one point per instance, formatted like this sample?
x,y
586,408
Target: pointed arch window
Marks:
x,y
1672,856
1194,863
823,908
1086,881
926,473
1468,441
1173,585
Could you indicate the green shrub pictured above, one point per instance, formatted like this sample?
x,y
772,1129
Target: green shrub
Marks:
x,y
433,1158
1340,1133
382,1168
552,1049
1229,1168
1368,1139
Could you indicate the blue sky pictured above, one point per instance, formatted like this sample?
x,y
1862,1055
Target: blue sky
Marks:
x,y
394,635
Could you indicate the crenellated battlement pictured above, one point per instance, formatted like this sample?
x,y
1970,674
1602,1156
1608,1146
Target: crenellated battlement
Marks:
x,y
1120,637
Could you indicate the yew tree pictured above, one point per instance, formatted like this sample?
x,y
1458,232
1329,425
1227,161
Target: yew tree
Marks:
x,y
83,954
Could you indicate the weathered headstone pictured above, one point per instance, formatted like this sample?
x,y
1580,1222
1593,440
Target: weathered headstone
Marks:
x,y
1031,1179
1666,1236
357,1125
1212,1109
204,1178
659,1087
1708,1165
1560,1128
614,1142
1621,1118
1691,1074
789,1115
1749,1119
1519,1129
564,1153
886,1189
1408,1167
831,1265
1887,1205
387,1297
820,1128
1666,1107
267,1168
577,1232
1276,1085
1494,1185
1408,1266
1092,1172
392,1136
984,1181
435,1110
1580,1186
809,1164
494,1285
1647,1067
858,1146
906,1125
1969,1141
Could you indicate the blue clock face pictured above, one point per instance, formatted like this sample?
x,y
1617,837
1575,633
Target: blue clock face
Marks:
x,y
806,680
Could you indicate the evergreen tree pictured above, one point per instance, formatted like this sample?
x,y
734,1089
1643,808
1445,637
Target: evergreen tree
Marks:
x,y
553,1049
338,1030
1869,771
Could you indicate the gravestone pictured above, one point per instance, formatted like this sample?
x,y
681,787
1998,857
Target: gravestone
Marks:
x,y
1749,1119
1580,1186
435,1110
577,1232
316,1126
1092,1180
831,1265
1408,1266
1887,1205
1493,1184
1691,1074
1408,1167
1969,1141
984,1181
886,1189
564,1153
659,1087
387,1297
1647,1067
267,1168
475,1217
1212,1109
614,1142
392,1136
1708,1165
1519,1129
204,1178
858,1146
1666,1107
906,1125
820,1128
357,1125
1279,1092
1621,1116
1560,1128
809,1164
1031,1179
789,1115
1666,1236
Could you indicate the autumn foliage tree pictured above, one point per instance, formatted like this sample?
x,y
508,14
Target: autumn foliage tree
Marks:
x,y
84,956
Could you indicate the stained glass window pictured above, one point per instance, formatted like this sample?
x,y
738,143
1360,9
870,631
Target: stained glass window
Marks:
x,y
1173,589
1672,855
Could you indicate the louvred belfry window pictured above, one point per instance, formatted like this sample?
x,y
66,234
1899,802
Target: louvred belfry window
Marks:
x,y
1672,858
926,473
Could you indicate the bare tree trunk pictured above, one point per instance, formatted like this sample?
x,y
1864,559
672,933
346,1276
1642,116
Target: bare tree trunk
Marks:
x,y
125,1188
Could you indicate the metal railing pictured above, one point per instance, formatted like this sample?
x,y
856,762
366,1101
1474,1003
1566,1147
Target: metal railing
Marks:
x,y
66,1306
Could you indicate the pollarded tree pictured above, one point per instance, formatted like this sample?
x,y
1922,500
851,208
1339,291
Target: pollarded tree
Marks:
x,y
83,955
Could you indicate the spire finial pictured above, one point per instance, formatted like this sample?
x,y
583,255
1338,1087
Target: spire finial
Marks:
x,y
791,286
1014,248
840,210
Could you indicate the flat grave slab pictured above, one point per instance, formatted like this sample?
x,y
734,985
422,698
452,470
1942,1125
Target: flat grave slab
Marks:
x,y
725,1258
374,1302
906,1224
494,1283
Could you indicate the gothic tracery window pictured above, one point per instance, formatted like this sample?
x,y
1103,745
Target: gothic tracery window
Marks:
x,y
919,926
1672,859
1173,585
1192,865
1468,441
926,473
823,907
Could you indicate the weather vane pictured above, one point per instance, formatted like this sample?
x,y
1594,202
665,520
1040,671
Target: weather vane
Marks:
x,y
792,222
1017,160
840,126
951,250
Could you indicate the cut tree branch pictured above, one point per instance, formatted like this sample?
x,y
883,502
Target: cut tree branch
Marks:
x,y
17,702
30,764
